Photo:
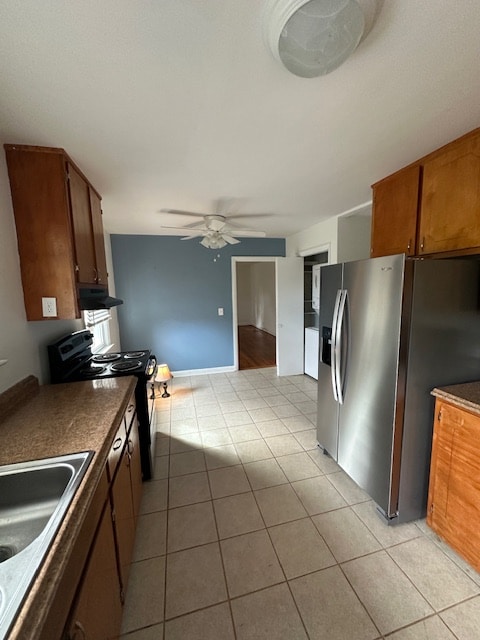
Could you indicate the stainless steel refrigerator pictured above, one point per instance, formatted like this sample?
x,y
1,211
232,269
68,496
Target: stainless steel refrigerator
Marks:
x,y
391,329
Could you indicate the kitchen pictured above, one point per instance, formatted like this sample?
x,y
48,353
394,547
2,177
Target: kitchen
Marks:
x,y
440,107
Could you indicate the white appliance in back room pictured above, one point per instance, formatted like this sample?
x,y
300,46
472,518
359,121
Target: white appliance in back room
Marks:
x,y
311,352
311,333
391,330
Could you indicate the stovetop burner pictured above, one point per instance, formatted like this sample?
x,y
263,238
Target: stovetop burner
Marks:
x,y
92,370
134,354
106,357
126,366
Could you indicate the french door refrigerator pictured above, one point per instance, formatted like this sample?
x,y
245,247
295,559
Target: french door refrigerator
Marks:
x,y
392,329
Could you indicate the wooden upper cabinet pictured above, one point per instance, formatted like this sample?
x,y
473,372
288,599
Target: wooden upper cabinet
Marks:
x,y
44,234
82,227
98,238
394,215
435,200
450,204
59,229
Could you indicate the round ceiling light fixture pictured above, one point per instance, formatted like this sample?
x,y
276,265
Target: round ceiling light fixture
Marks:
x,y
314,37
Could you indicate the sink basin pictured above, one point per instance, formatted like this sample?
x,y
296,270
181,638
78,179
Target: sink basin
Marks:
x,y
34,497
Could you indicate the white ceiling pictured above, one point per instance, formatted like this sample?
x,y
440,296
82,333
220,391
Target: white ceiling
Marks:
x,y
175,103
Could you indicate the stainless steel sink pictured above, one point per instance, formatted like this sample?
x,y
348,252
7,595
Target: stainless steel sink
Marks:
x,y
34,497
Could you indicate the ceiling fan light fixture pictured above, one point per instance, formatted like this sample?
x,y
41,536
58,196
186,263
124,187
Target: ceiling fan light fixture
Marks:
x,y
213,240
313,37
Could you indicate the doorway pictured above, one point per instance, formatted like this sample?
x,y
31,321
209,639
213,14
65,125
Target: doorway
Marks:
x,y
286,324
256,315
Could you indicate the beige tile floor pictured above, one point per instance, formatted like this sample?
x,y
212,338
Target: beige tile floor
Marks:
x,y
248,531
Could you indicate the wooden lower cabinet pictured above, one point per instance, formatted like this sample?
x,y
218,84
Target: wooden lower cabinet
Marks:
x,y
135,468
124,517
454,492
98,611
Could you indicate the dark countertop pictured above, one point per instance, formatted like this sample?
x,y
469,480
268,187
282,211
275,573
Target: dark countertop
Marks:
x,y
466,395
45,421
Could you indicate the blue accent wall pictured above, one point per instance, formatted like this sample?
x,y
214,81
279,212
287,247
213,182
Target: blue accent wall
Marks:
x,y
172,289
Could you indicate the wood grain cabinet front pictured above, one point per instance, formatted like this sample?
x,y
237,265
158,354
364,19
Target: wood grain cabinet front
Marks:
x,y
98,609
450,203
394,213
98,606
125,489
59,228
431,207
453,510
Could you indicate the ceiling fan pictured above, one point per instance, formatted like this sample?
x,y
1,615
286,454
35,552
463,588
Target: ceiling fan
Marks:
x,y
216,229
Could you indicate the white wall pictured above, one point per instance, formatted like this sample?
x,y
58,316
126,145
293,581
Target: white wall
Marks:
x,y
263,296
244,294
354,237
320,234
256,295
23,343
346,236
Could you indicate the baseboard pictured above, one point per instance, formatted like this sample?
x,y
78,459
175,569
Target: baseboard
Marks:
x,y
202,372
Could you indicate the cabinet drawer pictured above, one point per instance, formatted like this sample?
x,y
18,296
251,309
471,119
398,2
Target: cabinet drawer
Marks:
x,y
116,451
130,414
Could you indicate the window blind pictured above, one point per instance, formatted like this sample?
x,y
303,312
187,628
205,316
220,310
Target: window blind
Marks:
x,y
96,317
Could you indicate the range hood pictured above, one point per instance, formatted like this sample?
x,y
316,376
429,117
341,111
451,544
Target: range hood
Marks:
x,y
90,299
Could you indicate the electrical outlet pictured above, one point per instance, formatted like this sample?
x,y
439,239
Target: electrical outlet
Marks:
x,y
49,307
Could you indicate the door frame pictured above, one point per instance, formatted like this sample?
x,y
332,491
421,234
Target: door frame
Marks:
x,y
235,261
279,361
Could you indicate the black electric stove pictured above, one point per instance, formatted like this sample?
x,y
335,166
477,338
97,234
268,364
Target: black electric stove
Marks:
x,y
71,360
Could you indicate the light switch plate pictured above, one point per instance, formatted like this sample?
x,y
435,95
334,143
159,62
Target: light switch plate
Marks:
x,y
220,311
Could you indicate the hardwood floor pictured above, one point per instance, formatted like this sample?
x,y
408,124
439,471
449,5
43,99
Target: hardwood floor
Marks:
x,y
256,348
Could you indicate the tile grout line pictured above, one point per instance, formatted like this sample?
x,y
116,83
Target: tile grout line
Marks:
x,y
383,547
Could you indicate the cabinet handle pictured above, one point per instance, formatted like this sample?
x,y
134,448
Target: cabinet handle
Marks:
x,y
130,408
423,243
117,444
77,268
130,447
78,626
95,274
409,244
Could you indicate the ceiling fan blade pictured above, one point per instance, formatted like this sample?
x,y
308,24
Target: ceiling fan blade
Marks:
x,y
195,225
248,233
194,235
180,212
230,239
215,223
235,216
184,230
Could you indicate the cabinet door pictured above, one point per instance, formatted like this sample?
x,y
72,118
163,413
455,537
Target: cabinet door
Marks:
x,y
394,216
124,517
450,205
82,227
454,491
44,236
98,611
97,227
135,467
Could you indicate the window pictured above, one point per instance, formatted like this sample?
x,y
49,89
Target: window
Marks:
x,y
99,324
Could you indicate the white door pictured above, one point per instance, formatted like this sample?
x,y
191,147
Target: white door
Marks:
x,y
289,299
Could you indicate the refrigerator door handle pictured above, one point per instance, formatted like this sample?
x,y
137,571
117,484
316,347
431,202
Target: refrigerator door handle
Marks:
x,y
339,365
334,345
